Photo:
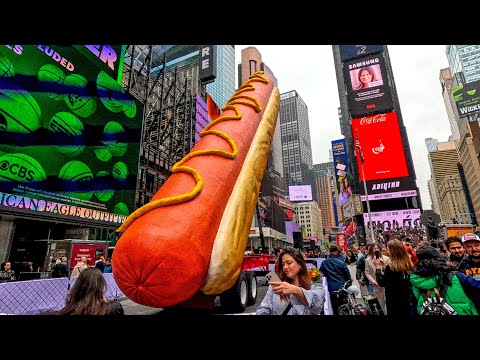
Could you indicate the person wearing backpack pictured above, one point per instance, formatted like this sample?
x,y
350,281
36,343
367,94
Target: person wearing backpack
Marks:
x,y
433,271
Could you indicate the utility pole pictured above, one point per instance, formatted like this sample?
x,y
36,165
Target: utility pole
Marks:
x,y
260,230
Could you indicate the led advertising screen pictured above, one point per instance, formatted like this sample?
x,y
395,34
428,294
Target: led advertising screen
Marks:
x,y
342,170
109,58
300,192
367,86
290,228
379,187
390,195
382,147
388,220
69,136
348,52
201,117
467,98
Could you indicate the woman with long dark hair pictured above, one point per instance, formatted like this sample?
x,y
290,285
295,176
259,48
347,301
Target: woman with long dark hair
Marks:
x,y
295,292
87,296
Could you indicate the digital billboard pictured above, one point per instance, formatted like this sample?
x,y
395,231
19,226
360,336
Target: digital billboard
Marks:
x,y
348,52
69,136
467,98
367,86
379,187
109,58
342,170
390,195
208,63
389,220
300,192
382,147
201,117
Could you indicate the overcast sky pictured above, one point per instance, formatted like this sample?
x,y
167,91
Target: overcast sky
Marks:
x,y
309,69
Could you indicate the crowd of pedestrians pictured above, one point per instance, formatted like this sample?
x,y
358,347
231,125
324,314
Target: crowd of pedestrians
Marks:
x,y
402,274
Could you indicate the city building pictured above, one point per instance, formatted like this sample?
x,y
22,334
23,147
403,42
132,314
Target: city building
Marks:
x,y
433,192
310,219
457,125
452,199
325,188
222,89
296,144
464,61
444,169
385,194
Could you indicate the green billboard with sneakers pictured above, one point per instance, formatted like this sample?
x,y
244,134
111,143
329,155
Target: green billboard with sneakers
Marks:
x,y
69,133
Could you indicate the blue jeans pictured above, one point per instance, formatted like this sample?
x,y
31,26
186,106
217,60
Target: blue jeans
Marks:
x,y
369,289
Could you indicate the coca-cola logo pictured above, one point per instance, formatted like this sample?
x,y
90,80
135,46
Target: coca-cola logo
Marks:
x,y
373,119
377,150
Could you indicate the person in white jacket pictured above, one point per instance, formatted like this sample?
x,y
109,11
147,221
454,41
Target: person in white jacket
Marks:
x,y
375,260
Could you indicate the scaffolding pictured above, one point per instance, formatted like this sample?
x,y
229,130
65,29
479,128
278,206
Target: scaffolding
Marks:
x,y
168,95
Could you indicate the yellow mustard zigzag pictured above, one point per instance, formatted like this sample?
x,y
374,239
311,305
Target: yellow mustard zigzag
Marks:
x,y
235,99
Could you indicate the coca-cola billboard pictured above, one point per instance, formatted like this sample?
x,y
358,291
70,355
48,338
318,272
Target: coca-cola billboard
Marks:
x,y
382,147
367,86
389,220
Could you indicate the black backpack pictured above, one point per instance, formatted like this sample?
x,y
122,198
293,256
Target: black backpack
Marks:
x,y
437,305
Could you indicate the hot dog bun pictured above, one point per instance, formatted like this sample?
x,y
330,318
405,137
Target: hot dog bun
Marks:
x,y
196,226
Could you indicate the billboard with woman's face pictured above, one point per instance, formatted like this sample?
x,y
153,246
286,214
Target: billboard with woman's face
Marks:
x,y
367,86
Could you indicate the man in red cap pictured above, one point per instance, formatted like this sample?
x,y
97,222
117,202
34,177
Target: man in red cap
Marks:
x,y
470,267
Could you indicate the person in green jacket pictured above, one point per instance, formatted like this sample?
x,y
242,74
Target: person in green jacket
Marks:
x,y
431,270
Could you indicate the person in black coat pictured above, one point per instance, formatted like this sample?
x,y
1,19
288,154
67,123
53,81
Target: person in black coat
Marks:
x,y
60,269
396,280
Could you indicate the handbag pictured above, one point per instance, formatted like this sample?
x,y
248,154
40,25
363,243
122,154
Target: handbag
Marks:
x,y
380,277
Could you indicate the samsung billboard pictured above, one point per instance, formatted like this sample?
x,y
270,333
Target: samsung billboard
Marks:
x,y
69,134
300,192
382,147
367,86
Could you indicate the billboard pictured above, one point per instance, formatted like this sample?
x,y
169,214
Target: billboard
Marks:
x,y
208,63
388,220
367,86
300,192
201,117
109,58
341,242
342,170
382,146
390,195
69,136
467,98
348,52
290,228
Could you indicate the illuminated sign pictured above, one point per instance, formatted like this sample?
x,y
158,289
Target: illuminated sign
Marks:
x,y
382,147
391,195
69,132
388,220
208,63
342,170
367,86
300,192
348,52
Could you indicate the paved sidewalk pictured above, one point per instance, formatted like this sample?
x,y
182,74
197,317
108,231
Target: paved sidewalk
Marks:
x,y
132,308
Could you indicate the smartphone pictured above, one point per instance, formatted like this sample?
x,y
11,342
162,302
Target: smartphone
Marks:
x,y
272,276
377,254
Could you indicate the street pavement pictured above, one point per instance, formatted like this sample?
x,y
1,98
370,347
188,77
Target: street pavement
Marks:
x,y
132,308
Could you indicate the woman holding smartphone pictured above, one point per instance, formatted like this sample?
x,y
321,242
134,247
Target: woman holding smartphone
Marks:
x,y
375,260
293,293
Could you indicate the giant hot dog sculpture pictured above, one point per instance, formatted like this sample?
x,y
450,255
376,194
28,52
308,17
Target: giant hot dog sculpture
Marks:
x,y
192,235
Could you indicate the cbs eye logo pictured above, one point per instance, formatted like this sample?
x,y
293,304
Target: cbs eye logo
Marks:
x,y
18,170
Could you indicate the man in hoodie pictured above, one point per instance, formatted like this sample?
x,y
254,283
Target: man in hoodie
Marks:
x,y
470,267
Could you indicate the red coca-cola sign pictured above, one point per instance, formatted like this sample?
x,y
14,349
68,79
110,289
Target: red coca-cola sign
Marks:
x,y
382,147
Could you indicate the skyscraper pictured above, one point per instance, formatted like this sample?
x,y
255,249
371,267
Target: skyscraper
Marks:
x,y
296,144
222,89
464,61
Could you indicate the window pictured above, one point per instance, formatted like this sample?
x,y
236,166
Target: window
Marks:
x,y
253,66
